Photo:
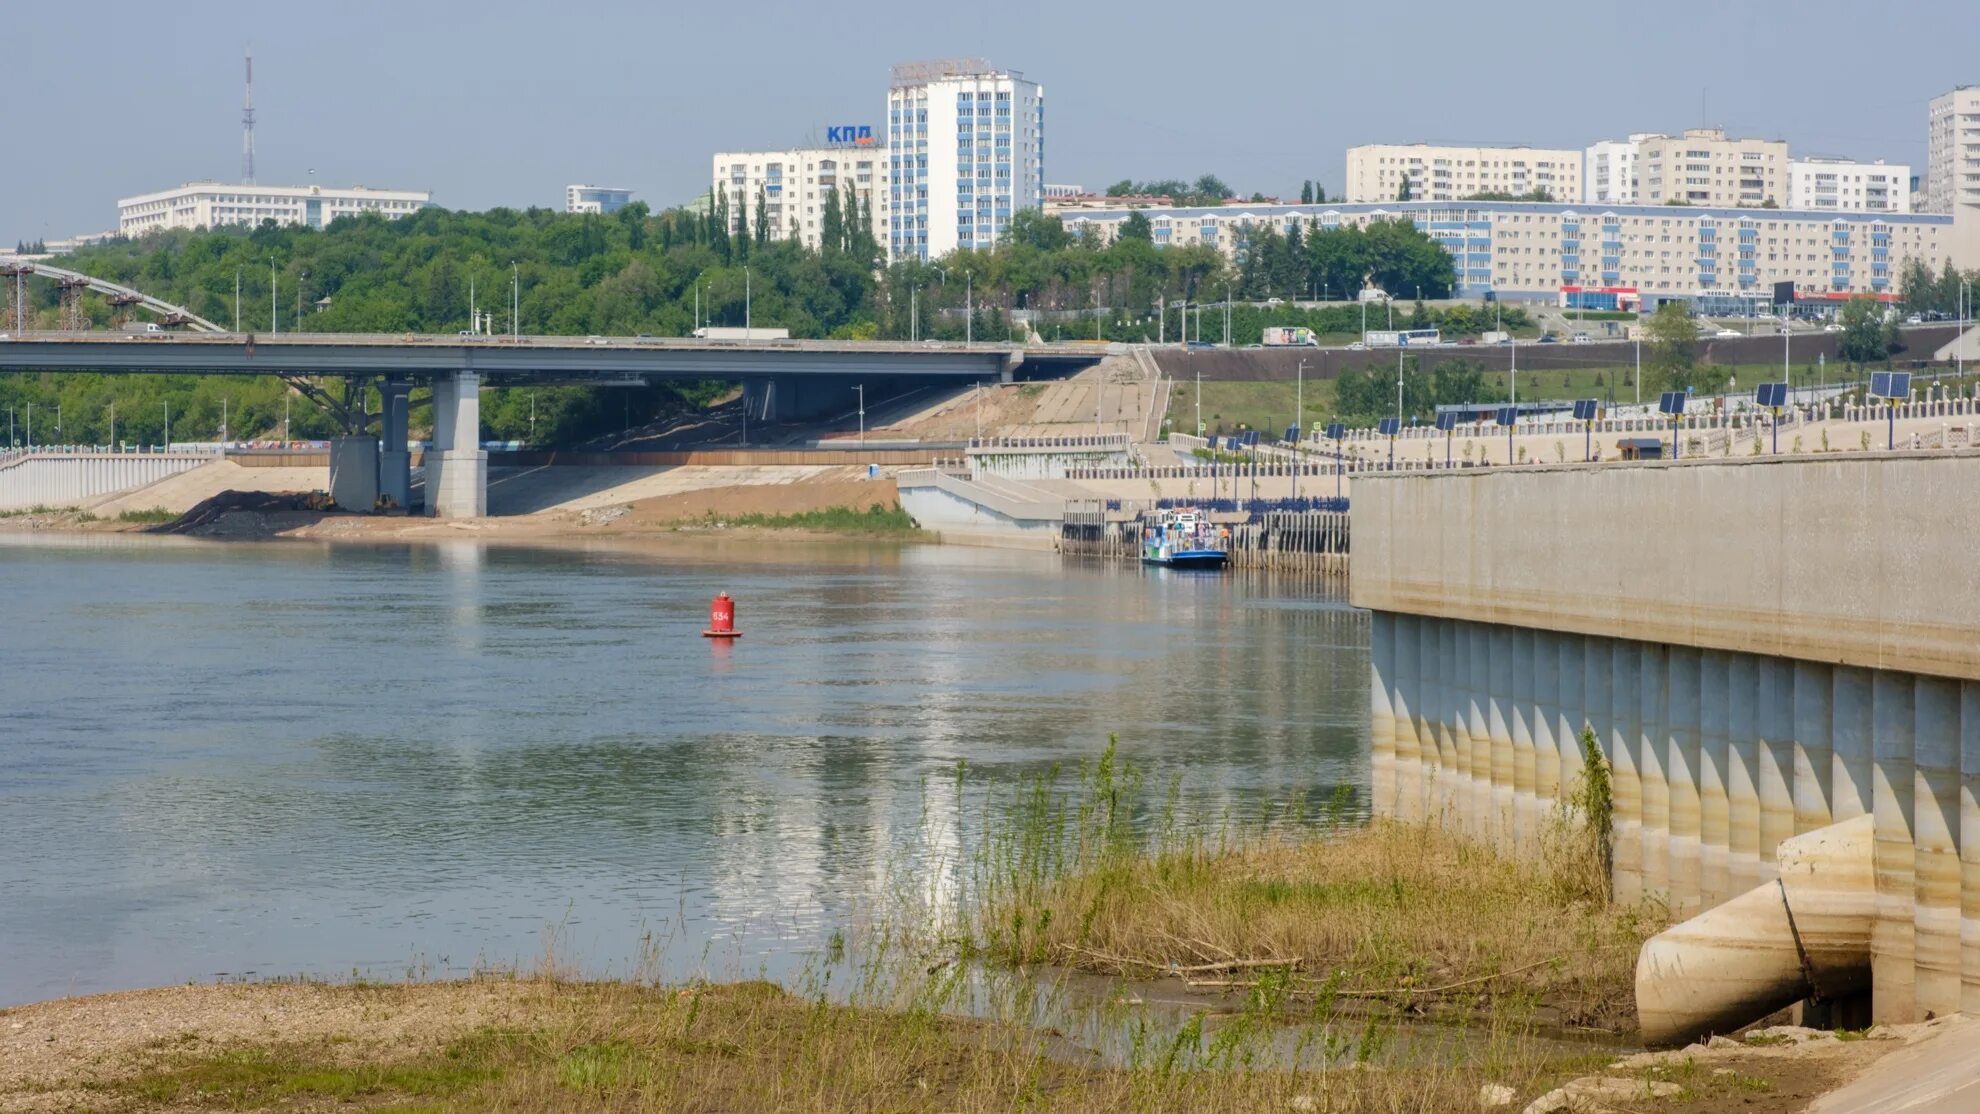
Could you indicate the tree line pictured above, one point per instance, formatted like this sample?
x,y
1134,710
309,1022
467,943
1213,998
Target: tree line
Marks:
x,y
628,273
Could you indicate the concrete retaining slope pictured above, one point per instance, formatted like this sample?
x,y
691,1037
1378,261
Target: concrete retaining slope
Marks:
x,y
1761,649
180,493
59,479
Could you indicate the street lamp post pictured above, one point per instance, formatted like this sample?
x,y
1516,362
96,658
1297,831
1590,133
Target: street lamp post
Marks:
x,y
746,332
515,300
914,312
861,388
1299,421
273,302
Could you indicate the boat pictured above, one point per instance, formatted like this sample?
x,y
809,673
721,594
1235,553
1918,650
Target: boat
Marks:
x,y
1182,539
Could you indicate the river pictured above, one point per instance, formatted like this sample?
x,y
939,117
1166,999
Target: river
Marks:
x,y
250,760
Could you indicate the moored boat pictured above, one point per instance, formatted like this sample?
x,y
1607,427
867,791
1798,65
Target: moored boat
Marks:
x,y
1182,538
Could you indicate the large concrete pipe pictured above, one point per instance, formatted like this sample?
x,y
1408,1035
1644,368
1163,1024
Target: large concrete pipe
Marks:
x,y
1805,934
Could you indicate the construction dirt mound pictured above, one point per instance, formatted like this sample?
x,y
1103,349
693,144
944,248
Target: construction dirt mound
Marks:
x,y
246,512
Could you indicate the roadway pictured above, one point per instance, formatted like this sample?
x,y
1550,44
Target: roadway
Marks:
x,y
531,359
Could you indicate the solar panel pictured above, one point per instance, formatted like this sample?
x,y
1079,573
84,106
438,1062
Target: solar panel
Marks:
x,y
1585,409
1507,415
1390,426
1336,430
1890,384
1447,421
1292,433
1771,395
1249,437
1671,402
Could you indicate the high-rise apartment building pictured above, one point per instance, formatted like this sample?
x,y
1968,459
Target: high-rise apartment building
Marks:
x,y
792,187
1608,171
1703,167
965,151
1377,171
1952,151
1845,184
595,199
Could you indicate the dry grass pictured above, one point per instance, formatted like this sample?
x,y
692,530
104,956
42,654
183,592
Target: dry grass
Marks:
x,y
1407,915
734,1047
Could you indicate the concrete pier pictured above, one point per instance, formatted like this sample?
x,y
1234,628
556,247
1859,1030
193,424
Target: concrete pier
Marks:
x,y
1740,696
457,468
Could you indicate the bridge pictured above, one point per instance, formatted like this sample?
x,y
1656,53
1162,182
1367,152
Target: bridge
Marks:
x,y
782,380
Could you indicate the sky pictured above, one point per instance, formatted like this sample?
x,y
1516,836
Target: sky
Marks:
x,y
502,103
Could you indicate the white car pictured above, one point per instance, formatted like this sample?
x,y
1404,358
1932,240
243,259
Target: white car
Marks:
x,y
1728,333
1914,319
1832,328
1357,346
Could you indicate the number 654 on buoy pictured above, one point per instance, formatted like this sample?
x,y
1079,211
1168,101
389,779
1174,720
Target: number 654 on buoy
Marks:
x,y
721,618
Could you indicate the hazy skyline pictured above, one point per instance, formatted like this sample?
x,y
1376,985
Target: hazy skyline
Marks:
x,y
501,103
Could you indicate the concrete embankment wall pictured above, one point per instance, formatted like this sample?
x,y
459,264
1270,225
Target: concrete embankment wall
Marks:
x,y
1761,649
52,479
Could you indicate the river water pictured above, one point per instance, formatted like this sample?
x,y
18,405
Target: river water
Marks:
x,y
224,760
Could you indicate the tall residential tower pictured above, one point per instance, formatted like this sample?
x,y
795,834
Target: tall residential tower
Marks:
x,y
965,151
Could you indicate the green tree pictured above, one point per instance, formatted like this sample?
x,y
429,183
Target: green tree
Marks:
x,y
1319,194
1672,350
1136,227
1402,194
1862,339
1306,192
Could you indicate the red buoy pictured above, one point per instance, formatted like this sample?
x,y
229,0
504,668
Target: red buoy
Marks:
x,y
722,618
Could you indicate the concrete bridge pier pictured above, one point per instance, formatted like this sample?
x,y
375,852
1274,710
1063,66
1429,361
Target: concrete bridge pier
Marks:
x,y
457,468
394,460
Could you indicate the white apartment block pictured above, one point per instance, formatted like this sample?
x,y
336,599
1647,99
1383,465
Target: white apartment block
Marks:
x,y
792,186
214,204
1703,167
1376,172
1608,171
595,199
1952,168
966,150
1540,250
1864,187
1952,151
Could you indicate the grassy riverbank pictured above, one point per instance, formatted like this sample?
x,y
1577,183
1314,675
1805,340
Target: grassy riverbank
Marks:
x,y
1283,961
877,520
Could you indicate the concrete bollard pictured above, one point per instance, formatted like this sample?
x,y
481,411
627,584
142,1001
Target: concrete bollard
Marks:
x,y
1652,677
1714,881
1499,662
1774,757
1451,739
1935,841
1849,742
1381,721
1519,709
1681,778
1894,975
1543,715
1627,788
1478,672
1814,716
1402,692
1969,846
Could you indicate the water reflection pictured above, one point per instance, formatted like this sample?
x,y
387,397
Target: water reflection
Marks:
x,y
300,758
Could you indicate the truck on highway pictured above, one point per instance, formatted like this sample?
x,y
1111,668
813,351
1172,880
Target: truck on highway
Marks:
x,y
723,332
1495,337
1289,336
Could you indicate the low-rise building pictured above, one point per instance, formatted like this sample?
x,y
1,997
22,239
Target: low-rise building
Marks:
x,y
1820,182
595,199
1536,250
790,188
1376,172
217,204
1704,167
